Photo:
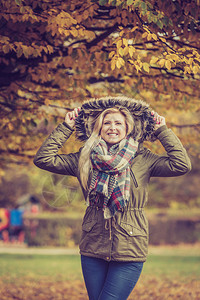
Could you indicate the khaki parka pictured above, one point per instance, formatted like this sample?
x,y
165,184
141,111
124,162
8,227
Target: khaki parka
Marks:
x,y
125,236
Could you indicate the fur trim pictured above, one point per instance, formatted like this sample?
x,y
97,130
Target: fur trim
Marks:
x,y
92,108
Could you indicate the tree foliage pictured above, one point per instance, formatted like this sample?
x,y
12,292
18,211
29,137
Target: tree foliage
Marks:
x,y
55,54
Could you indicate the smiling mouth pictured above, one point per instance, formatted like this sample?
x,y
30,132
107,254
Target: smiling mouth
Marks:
x,y
112,134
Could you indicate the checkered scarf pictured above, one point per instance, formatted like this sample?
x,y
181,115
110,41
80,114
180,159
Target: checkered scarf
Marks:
x,y
111,175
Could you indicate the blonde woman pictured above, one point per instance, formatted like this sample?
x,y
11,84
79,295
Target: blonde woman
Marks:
x,y
114,170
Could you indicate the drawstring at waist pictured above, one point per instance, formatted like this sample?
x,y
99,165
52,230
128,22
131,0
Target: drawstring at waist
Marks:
x,y
108,225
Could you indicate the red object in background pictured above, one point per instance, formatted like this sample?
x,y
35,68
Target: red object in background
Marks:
x,y
34,208
4,218
4,223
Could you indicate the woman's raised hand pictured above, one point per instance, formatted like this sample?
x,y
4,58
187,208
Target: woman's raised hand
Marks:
x,y
71,116
159,120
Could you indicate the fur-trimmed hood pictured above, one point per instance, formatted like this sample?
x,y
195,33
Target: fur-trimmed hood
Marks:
x,y
92,108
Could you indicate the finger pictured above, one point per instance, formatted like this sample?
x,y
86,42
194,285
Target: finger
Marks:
x,y
158,120
70,115
155,116
163,120
76,112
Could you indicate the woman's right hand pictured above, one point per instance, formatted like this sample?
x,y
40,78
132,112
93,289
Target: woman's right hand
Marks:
x,y
71,116
159,120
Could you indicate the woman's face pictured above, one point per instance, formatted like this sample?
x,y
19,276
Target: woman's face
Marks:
x,y
113,129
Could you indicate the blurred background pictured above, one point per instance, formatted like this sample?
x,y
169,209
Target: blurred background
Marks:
x,y
53,57
57,54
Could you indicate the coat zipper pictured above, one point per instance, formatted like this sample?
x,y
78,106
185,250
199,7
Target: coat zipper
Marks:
x,y
134,179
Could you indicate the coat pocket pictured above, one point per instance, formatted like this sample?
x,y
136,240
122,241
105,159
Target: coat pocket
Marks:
x,y
132,230
90,238
87,226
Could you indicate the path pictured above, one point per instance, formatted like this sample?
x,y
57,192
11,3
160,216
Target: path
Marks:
x,y
177,250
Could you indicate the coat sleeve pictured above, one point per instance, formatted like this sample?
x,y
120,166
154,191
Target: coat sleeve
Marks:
x,y
47,157
176,161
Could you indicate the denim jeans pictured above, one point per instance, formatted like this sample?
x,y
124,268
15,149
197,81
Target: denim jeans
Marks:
x,y
109,280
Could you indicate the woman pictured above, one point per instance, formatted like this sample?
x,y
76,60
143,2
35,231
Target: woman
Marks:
x,y
114,169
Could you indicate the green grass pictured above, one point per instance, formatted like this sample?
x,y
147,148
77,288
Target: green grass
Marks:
x,y
16,267
173,266
61,267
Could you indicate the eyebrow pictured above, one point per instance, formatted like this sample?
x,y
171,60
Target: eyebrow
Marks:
x,y
105,120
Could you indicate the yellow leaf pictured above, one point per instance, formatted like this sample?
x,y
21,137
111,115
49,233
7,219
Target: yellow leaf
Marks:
x,y
154,36
111,54
146,67
21,93
137,68
161,62
190,60
19,52
146,28
118,65
134,28
26,51
144,35
122,62
126,50
50,49
153,60
163,39
182,49
168,64
119,62
46,102
131,51
195,69
113,64
125,42
85,14
10,126
173,57
74,32
121,33
6,48
119,44
187,70
149,36
121,51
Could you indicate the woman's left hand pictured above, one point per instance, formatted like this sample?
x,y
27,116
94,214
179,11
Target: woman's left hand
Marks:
x,y
159,120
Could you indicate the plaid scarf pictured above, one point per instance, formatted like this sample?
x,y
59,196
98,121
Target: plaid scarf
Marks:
x,y
110,182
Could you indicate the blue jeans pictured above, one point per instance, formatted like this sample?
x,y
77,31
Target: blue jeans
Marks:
x,y
109,280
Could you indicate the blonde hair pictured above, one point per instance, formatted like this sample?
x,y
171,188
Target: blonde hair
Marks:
x,y
96,125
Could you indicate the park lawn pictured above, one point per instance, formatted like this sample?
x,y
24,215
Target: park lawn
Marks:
x,y
39,267
17,267
58,277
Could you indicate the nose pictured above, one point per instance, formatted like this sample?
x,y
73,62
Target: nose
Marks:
x,y
112,126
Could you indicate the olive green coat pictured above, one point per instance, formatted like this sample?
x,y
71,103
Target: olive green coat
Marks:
x,y
125,238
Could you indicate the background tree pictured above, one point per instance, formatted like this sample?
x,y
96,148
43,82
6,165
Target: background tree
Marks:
x,y
55,54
